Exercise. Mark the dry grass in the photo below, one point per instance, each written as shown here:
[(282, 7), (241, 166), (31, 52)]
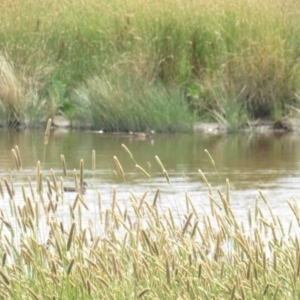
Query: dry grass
[(21, 101)]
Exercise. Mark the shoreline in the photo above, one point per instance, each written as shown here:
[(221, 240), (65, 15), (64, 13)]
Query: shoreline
[(259, 126), (286, 125)]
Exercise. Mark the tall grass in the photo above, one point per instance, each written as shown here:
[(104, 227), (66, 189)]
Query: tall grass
[(125, 104), (144, 250), (21, 93), (247, 50)]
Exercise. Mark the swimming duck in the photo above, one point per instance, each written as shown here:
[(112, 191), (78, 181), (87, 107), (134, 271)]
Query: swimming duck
[(73, 189), (142, 135)]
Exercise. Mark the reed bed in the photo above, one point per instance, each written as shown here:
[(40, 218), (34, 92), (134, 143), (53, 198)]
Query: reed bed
[(50, 249), (231, 59)]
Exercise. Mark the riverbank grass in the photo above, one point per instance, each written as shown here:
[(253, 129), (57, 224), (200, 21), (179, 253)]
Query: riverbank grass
[(54, 248), (211, 51)]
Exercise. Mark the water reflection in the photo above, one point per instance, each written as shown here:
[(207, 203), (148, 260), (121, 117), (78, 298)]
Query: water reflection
[(251, 162)]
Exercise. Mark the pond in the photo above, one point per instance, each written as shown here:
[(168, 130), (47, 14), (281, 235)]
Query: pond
[(266, 162)]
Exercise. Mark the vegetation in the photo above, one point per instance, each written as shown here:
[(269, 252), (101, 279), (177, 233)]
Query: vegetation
[(142, 251), (228, 60)]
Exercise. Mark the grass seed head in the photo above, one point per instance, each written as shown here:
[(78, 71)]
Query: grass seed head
[(64, 167), (71, 235), (47, 132)]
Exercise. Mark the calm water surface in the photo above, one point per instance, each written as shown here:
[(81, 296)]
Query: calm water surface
[(270, 163)]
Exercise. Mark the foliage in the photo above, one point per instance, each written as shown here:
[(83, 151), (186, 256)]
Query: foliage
[(244, 46)]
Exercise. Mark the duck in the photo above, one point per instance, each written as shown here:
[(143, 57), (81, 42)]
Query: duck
[(142, 135), (71, 189)]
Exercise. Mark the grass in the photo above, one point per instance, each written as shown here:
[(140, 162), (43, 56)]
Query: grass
[(215, 50), (50, 250), (133, 104), (21, 92)]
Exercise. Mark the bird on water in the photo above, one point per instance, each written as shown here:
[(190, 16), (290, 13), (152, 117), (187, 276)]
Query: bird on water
[(142, 135), (74, 189)]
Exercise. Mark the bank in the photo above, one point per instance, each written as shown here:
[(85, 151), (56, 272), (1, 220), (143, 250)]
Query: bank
[(132, 65)]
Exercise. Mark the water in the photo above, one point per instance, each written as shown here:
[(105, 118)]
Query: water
[(270, 163)]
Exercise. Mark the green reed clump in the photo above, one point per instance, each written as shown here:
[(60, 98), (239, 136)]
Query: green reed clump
[(124, 104)]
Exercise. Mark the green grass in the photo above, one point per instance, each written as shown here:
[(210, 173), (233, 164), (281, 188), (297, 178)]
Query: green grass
[(143, 250), (122, 104), (244, 50)]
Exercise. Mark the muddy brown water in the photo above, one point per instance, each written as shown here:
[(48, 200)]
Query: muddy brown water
[(270, 163)]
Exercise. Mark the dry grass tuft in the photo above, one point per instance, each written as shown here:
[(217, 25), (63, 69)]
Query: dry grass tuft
[(20, 99)]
